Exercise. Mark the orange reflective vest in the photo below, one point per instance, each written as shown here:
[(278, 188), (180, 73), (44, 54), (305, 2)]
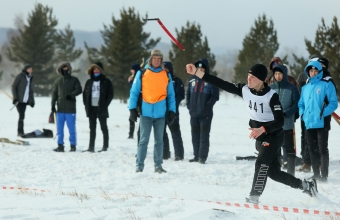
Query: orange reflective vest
[(154, 86)]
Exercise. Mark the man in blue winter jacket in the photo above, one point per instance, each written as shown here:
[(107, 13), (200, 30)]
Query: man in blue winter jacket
[(318, 100), (200, 99), (155, 87), (289, 97)]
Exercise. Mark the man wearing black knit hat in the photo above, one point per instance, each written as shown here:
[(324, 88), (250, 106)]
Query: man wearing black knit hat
[(22, 91), (266, 121)]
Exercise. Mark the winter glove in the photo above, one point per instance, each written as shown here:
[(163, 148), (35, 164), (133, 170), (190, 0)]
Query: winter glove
[(68, 97), (53, 109), (32, 105), (171, 117), (133, 115), (15, 102)]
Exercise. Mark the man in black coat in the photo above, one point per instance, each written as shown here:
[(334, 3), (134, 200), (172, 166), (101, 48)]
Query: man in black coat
[(97, 96), (22, 91), (174, 127), (201, 98), (134, 69)]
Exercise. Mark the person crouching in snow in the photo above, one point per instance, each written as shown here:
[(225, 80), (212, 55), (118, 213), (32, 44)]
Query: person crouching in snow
[(266, 121), (97, 96), (65, 90)]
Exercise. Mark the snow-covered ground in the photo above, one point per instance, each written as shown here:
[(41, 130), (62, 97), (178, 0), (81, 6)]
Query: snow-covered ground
[(105, 185)]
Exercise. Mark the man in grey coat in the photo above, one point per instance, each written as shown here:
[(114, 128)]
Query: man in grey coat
[(22, 91)]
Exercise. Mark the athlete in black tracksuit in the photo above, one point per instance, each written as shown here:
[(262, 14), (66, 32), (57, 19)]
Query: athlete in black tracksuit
[(266, 121)]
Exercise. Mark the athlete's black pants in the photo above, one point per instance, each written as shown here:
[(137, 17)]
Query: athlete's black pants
[(268, 164)]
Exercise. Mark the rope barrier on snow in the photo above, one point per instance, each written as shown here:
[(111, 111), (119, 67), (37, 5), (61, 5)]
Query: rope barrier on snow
[(232, 204)]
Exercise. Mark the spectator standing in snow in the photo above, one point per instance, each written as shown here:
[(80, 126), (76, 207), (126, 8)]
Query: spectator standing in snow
[(289, 98), (266, 121), (318, 101), (174, 127), (65, 90), (306, 166), (201, 98), (97, 96), (134, 69), (158, 96), (22, 91), (273, 63)]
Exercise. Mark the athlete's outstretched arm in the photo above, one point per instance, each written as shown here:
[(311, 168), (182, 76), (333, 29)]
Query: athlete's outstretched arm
[(234, 88)]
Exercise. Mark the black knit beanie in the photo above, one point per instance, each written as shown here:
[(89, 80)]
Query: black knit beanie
[(324, 61), (26, 67), (259, 71), (99, 64)]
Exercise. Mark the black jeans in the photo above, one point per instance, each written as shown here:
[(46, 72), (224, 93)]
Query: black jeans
[(268, 164), (200, 134), (304, 146), (176, 138), (93, 125), (317, 140), (289, 143), (21, 107)]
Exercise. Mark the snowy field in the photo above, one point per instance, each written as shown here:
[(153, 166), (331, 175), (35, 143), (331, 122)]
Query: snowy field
[(105, 186)]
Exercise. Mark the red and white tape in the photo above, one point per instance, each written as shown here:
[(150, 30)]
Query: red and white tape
[(24, 188), (239, 205)]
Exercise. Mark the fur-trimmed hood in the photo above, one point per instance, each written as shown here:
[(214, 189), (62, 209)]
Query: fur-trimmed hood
[(89, 71), (61, 66)]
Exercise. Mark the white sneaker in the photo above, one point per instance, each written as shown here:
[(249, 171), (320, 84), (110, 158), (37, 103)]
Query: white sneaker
[(310, 188), (253, 199)]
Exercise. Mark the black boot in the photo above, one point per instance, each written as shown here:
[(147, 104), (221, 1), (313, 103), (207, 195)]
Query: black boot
[(73, 148), (201, 161), (60, 148), (291, 165), (166, 155), (103, 149), (195, 159), (91, 149)]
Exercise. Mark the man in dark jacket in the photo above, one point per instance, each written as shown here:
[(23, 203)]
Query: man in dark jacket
[(134, 69), (289, 97), (306, 166), (22, 91), (97, 96), (200, 99), (65, 90), (174, 127)]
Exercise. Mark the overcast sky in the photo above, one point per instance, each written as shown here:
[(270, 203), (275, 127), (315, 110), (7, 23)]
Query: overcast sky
[(224, 22)]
